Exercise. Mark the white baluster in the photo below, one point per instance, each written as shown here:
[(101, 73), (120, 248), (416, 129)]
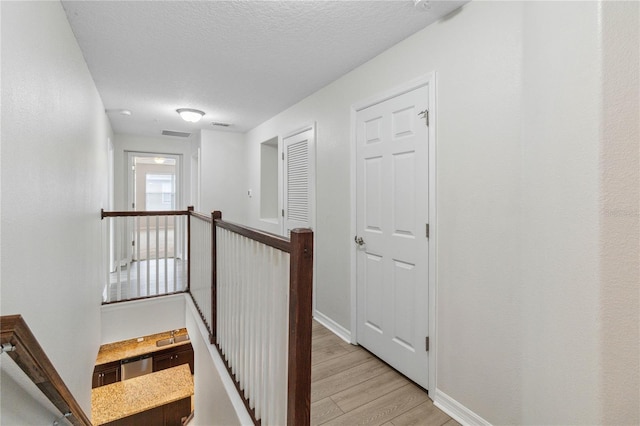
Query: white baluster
[(137, 244), (175, 253), (166, 253), (253, 280), (107, 297), (119, 260), (148, 258), (128, 255)]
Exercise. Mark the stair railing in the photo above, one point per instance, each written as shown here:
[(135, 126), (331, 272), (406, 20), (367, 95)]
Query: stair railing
[(146, 254), (260, 322), (22, 346), (253, 290)]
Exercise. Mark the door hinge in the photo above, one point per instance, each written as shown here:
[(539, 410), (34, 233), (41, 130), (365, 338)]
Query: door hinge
[(426, 343), (425, 114), (282, 212), (133, 205), (283, 156), (133, 243), (427, 230)]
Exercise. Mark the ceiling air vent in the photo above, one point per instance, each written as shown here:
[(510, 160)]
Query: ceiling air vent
[(176, 134), (217, 123)]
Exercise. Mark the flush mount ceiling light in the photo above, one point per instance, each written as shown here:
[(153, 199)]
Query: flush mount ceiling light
[(422, 4), (190, 115)]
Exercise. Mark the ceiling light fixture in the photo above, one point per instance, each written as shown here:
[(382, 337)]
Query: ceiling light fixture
[(190, 115), (422, 4)]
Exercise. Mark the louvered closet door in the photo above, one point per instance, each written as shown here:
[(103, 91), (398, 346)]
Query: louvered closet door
[(297, 181)]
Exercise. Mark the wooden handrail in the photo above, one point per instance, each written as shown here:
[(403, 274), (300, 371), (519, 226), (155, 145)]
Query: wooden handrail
[(134, 213), (23, 347), (267, 238), (137, 299), (201, 216)]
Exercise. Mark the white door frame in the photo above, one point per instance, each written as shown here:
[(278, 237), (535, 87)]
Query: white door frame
[(195, 180), (430, 81), (129, 175), (312, 173), (181, 250)]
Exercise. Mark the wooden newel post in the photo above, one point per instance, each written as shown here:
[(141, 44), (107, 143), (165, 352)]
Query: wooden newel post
[(215, 215), (300, 317), (189, 209)]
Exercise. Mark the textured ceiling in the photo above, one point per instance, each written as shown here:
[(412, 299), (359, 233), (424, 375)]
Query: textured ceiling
[(241, 62)]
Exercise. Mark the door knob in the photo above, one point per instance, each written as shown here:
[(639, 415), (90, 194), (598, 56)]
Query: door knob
[(359, 241)]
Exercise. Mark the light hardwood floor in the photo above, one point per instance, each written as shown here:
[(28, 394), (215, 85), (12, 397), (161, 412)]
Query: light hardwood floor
[(349, 387)]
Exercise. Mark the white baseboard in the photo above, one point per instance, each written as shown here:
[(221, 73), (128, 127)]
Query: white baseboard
[(336, 328), (457, 411)]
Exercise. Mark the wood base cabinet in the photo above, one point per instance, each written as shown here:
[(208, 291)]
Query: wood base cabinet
[(106, 374), (173, 357)]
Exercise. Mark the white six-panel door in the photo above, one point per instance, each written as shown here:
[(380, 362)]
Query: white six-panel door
[(391, 219)]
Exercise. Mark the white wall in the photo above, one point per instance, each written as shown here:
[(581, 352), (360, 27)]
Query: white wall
[(128, 320), (54, 168), (520, 277), (560, 195), (223, 171), (145, 144), (22, 402), (269, 182), (581, 226), (620, 214)]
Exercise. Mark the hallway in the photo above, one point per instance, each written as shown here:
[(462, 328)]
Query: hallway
[(349, 386)]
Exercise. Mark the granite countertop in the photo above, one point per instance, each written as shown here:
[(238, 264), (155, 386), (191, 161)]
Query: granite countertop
[(110, 352), (132, 396)]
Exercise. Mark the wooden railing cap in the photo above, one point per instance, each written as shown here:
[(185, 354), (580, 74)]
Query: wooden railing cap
[(302, 231)]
